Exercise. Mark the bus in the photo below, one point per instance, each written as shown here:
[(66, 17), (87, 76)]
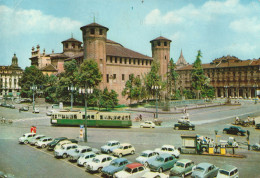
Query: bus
[(94, 119)]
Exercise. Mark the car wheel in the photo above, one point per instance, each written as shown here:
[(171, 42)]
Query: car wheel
[(85, 164), (176, 128), (224, 132), (146, 164), (43, 146), (190, 128), (26, 142), (239, 133), (99, 169), (160, 170), (64, 155), (120, 155), (132, 152)]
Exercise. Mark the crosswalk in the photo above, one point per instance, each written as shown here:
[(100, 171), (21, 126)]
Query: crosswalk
[(30, 119)]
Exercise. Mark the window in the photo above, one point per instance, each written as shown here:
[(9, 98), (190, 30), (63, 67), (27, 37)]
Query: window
[(79, 46), (125, 60), (73, 45), (114, 76), (142, 62), (111, 60), (138, 62), (135, 170), (92, 31), (159, 44), (134, 61), (100, 32), (115, 59), (107, 78), (146, 62), (140, 168), (66, 45), (165, 57), (130, 61), (120, 60), (123, 76), (165, 43)]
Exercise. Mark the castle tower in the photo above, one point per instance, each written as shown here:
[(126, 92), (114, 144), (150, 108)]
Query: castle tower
[(181, 61), (71, 47), (14, 61), (94, 39), (161, 53)]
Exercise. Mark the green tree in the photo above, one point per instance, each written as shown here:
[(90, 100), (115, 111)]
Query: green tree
[(109, 99), (31, 76), (172, 77), (50, 88)]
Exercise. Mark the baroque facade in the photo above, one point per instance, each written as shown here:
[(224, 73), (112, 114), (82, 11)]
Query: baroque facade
[(9, 79), (230, 76)]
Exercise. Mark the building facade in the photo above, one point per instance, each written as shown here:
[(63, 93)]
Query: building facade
[(9, 79), (230, 76)]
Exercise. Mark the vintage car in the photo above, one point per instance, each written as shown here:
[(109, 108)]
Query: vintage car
[(184, 126), (36, 110), (63, 142), (115, 166), (256, 147), (257, 126), (124, 149), (85, 158), (182, 168), (146, 156), (155, 175), (63, 151), (25, 137), (99, 162), (226, 171), (162, 162), (168, 149), (33, 140), (133, 170), (51, 145), (49, 113), (147, 124), (110, 146), (74, 155), (42, 143), (204, 170), (234, 130), (24, 108)]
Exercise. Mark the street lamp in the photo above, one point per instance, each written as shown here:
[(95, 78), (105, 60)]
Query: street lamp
[(33, 88), (255, 86), (85, 91), (156, 88), (72, 89)]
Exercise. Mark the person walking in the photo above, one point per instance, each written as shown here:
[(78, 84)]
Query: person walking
[(140, 117)]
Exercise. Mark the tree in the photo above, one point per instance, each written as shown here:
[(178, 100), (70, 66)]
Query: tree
[(172, 77), (50, 88), (133, 88), (31, 76), (109, 99)]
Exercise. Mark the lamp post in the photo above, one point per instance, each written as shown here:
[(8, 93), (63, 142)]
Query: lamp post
[(255, 86), (85, 91), (156, 88), (33, 88), (72, 89)]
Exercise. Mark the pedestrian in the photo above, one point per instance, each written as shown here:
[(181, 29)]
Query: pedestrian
[(248, 118), (253, 122), (154, 115), (140, 117)]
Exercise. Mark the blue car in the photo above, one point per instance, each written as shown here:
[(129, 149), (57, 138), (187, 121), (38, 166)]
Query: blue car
[(115, 166), (162, 162)]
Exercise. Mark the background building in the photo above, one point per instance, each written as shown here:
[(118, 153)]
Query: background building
[(9, 78)]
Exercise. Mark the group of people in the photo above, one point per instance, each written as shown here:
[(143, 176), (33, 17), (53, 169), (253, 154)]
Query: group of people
[(248, 120)]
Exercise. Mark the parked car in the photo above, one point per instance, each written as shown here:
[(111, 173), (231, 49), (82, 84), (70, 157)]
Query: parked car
[(63, 151), (33, 140), (36, 110), (115, 166), (256, 147), (162, 162), (204, 170), (228, 171), (146, 156), (74, 155), (85, 158), (51, 145), (257, 126), (98, 163), (155, 175), (184, 126), (168, 149), (42, 143), (24, 108), (124, 149), (49, 113), (147, 124), (11, 106), (25, 137), (234, 130), (110, 146), (64, 142), (182, 168), (133, 170)]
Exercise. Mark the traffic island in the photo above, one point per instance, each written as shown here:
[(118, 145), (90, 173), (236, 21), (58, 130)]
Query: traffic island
[(224, 155)]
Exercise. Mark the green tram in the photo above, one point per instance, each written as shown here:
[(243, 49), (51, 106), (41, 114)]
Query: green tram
[(94, 119)]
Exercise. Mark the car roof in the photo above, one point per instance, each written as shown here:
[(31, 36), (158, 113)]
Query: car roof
[(44, 138), (29, 133), (184, 161), (171, 146), (235, 127), (112, 141), (40, 136), (134, 165), (89, 153), (118, 160), (228, 167), (70, 144), (125, 144), (165, 155), (61, 138), (148, 151), (83, 147), (102, 156), (204, 165)]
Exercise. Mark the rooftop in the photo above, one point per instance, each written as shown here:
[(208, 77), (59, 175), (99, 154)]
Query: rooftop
[(94, 25), (160, 38)]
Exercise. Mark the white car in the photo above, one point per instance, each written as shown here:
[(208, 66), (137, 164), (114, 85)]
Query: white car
[(64, 150), (228, 171), (42, 143), (110, 146), (33, 140), (147, 124), (75, 154), (36, 110), (85, 158), (168, 149), (25, 137), (155, 175), (124, 149), (99, 162), (133, 170), (145, 156)]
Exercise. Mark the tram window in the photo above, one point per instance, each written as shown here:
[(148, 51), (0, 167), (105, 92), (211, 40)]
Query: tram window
[(63, 116), (101, 117), (92, 117), (88, 116), (123, 117), (75, 116), (71, 116), (109, 117), (118, 117), (83, 116), (114, 117), (126, 117)]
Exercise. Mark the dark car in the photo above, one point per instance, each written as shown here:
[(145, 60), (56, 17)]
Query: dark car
[(234, 130), (51, 145), (256, 147), (257, 126), (184, 126)]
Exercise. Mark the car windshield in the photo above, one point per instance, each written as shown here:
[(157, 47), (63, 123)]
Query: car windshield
[(199, 169), (77, 151), (109, 144), (128, 170), (164, 149), (160, 159), (62, 147), (224, 172), (96, 160), (180, 164), (113, 163), (23, 135), (144, 155)]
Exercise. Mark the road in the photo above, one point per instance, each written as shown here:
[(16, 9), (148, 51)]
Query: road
[(25, 161)]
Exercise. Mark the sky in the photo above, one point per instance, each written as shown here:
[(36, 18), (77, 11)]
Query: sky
[(216, 27)]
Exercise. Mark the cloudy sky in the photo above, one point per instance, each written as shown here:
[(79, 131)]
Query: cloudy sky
[(216, 27)]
